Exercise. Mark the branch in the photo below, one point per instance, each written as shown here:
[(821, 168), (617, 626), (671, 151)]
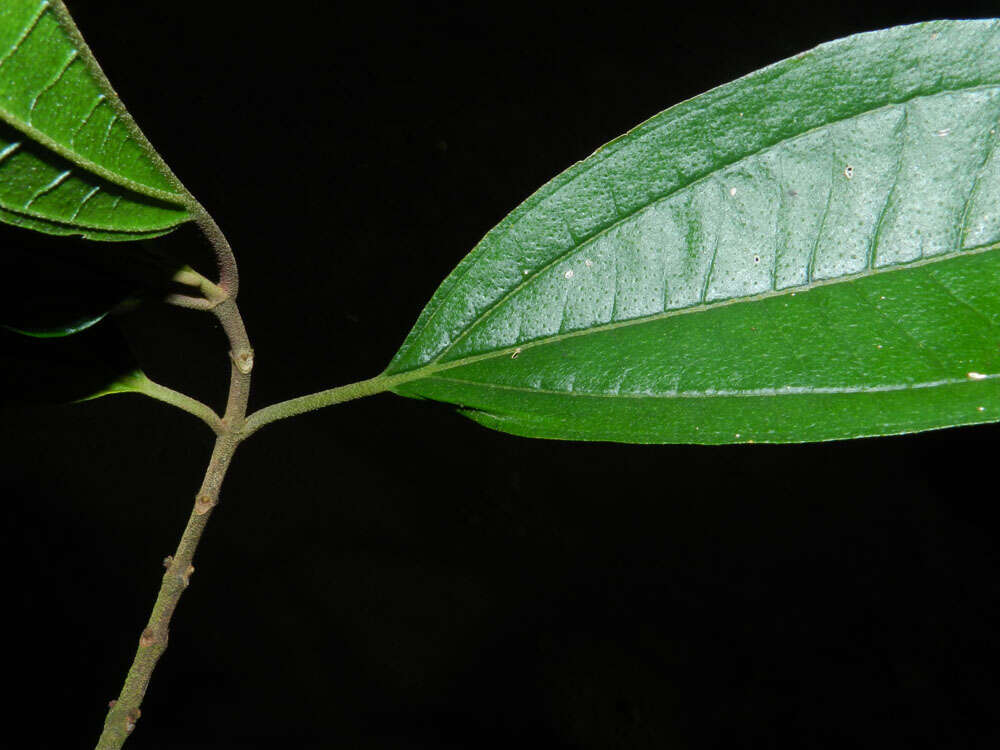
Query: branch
[(186, 300), (125, 712), (229, 275), (210, 294), (182, 401), (313, 401)]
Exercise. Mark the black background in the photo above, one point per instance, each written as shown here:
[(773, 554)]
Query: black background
[(386, 574)]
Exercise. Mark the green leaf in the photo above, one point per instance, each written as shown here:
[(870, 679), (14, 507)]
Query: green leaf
[(94, 363), (807, 253), (58, 330), (72, 160), (55, 294)]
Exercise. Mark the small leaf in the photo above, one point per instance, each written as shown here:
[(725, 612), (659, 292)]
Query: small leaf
[(72, 160), (58, 330), (807, 253), (56, 293), (94, 363)]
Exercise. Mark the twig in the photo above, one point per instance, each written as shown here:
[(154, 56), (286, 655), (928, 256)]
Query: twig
[(125, 711), (182, 401)]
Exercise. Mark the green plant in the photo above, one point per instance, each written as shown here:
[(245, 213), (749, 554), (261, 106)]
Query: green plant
[(744, 239)]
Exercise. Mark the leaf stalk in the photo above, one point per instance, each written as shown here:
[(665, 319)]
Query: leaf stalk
[(314, 401), (182, 401)]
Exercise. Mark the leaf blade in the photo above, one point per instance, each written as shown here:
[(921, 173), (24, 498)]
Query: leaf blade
[(59, 330), (867, 158), (71, 158)]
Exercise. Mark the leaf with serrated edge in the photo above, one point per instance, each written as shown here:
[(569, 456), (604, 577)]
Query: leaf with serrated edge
[(72, 160), (807, 253)]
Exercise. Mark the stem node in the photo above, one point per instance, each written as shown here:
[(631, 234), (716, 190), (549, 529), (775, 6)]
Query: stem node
[(243, 360), (221, 300), (203, 504), (131, 719)]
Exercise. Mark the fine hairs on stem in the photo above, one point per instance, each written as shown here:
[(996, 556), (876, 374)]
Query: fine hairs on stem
[(230, 429), (125, 711)]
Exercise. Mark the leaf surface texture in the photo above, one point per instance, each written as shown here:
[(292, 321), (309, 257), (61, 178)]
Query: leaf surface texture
[(807, 253), (72, 160)]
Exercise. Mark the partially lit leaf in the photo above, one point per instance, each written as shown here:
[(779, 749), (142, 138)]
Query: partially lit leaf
[(96, 362), (72, 160), (55, 294), (807, 253)]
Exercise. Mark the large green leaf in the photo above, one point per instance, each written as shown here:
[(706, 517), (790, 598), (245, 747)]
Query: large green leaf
[(807, 253), (72, 160)]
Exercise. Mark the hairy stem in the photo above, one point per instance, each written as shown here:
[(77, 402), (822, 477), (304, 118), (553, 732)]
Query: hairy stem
[(229, 276), (209, 294), (188, 301), (184, 402), (125, 711), (314, 401)]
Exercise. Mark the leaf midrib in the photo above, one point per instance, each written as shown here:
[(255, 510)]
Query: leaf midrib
[(488, 312), (724, 393), (76, 224), (82, 162), (430, 369)]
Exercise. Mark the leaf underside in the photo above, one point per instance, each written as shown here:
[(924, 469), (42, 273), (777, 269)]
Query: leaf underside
[(72, 161), (807, 253)]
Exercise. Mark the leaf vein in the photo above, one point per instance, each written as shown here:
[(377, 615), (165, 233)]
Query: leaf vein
[(10, 149), (59, 180), (86, 198), (963, 223), (921, 349), (936, 278), (26, 33), (531, 278), (872, 252), (86, 119), (77, 160), (723, 393), (59, 74), (811, 260), (429, 368)]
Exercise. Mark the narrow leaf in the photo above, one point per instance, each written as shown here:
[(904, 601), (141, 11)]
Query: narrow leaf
[(807, 253), (94, 363), (56, 294), (72, 160), (58, 330)]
